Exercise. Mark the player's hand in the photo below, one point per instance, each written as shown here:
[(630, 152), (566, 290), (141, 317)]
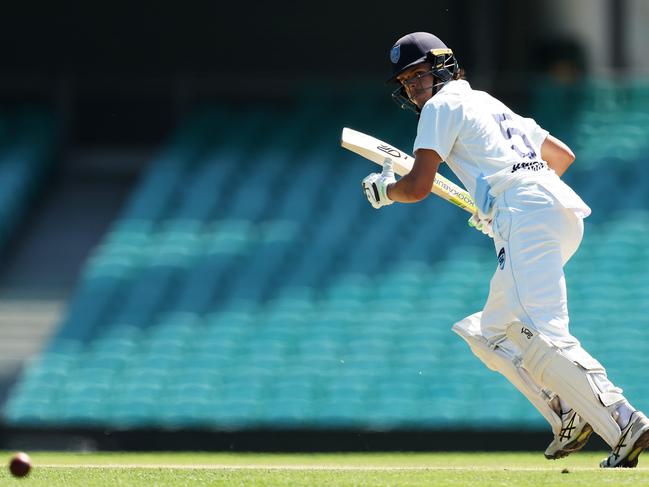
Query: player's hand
[(375, 186), (482, 224)]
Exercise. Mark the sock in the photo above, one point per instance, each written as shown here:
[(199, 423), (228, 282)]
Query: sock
[(564, 407), (622, 414), (559, 406)]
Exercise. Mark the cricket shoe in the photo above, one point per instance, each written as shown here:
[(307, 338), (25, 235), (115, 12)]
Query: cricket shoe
[(634, 439), (574, 434)]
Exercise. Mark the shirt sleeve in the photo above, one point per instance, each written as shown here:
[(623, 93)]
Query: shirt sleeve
[(438, 128)]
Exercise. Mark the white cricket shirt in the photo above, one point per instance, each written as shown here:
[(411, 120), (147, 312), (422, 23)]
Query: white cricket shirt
[(487, 145)]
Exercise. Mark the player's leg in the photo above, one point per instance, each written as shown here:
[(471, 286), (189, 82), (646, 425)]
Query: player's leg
[(524, 244), (500, 360), (538, 244), (581, 380), (571, 432)]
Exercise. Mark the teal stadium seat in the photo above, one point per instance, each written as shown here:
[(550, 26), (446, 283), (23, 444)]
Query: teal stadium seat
[(241, 288)]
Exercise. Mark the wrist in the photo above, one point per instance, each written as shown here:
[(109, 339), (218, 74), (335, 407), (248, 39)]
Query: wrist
[(388, 190)]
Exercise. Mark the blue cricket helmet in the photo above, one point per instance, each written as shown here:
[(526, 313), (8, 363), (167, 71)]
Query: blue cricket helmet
[(418, 47)]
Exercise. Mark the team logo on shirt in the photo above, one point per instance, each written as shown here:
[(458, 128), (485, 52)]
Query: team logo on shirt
[(501, 258), (395, 54)]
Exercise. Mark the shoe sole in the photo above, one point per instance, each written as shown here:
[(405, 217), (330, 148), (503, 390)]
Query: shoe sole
[(631, 460), (574, 446)]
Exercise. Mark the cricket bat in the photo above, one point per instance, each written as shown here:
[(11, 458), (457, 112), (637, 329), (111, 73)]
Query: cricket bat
[(378, 151)]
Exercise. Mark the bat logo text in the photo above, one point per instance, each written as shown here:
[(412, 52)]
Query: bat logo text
[(389, 150)]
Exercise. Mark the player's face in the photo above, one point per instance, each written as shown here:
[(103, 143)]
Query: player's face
[(418, 82)]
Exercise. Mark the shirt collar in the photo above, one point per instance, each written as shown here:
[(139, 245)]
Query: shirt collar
[(455, 86)]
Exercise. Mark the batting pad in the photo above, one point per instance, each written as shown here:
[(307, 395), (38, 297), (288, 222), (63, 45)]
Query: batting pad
[(499, 359), (574, 375)]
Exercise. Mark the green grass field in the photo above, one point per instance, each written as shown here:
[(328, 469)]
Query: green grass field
[(346, 469)]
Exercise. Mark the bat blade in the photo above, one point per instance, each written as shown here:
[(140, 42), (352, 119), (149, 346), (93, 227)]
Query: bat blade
[(378, 151)]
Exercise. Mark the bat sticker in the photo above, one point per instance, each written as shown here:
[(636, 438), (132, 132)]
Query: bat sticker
[(390, 150)]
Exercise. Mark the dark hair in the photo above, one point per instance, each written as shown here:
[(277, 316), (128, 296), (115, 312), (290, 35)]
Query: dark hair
[(459, 74)]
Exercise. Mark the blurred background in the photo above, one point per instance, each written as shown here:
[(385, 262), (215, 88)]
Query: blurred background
[(188, 261)]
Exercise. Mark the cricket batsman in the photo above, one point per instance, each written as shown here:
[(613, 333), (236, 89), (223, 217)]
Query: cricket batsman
[(512, 168)]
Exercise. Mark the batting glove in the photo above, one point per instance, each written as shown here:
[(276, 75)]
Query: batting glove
[(482, 224), (375, 186)]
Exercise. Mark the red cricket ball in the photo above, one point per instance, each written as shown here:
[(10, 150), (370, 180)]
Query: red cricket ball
[(20, 464)]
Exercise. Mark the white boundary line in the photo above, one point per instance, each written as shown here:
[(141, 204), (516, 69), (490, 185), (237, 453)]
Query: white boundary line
[(367, 468)]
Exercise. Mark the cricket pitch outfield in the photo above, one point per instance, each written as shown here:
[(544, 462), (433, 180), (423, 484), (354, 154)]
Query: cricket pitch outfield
[(343, 469)]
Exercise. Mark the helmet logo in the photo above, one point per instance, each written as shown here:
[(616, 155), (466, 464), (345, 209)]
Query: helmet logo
[(395, 54)]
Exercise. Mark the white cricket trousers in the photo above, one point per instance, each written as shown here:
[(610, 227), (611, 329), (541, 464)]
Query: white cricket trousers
[(534, 237)]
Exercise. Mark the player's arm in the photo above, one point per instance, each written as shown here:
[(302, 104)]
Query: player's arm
[(416, 185), (557, 154)]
